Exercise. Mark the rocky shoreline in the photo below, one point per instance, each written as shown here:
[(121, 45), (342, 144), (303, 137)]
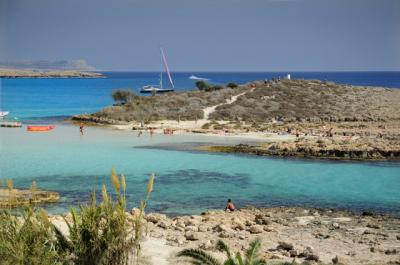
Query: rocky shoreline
[(309, 150), (18, 197), (288, 234)]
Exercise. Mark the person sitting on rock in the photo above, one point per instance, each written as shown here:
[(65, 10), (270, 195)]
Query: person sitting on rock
[(230, 207)]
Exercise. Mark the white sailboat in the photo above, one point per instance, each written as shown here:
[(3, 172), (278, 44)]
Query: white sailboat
[(159, 88)]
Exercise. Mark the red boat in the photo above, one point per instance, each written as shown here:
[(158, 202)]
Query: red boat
[(40, 128)]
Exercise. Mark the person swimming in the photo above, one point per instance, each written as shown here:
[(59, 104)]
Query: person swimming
[(230, 207)]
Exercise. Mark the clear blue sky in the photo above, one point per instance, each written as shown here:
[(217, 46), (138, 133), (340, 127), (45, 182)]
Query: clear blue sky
[(209, 35)]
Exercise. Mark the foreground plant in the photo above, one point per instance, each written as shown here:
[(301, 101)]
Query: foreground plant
[(27, 240), (101, 233), (251, 256)]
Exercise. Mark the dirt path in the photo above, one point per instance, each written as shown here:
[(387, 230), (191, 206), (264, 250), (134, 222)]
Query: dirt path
[(207, 111)]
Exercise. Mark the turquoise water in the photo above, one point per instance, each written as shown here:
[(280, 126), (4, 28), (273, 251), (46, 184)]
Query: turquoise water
[(187, 181)]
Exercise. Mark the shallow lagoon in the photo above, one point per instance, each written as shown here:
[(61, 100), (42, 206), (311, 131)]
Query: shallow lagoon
[(189, 181)]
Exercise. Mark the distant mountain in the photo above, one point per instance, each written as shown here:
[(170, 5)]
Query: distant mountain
[(45, 65)]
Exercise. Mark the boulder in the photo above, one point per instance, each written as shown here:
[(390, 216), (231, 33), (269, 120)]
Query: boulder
[(191, 228), (223, 228), (285, 245), (135, 212), (155, 217), (256, 229), (208, 245), (163, 224), (192, 236), (202, 228)]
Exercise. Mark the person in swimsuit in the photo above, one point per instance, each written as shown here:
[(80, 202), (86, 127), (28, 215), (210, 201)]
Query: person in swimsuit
[(230, 207), (81, 128)]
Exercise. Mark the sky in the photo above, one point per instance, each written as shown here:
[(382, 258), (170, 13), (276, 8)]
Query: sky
[(205, 35)]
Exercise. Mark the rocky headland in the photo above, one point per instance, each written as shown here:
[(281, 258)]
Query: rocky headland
[(20, 73), (324, 119)]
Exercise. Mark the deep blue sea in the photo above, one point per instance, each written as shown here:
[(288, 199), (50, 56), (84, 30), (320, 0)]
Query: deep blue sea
[(50, 97), (186, 182)]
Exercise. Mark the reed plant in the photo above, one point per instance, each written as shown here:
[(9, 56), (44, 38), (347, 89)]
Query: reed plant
[(27, 239), (101, 233)]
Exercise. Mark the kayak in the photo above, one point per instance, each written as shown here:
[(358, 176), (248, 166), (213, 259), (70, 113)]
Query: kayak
[(40, 128)]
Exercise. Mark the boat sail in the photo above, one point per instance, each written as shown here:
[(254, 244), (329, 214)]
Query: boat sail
[(159, 88)]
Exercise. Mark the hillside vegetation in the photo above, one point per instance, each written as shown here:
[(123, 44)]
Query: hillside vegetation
[(300, 100), (263, 101)]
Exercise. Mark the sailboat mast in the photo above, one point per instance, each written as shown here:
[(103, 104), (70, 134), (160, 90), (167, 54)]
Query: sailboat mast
[(164, 59), (161, 70)]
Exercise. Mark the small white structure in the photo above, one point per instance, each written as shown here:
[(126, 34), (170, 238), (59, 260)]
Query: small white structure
[(288, 76)]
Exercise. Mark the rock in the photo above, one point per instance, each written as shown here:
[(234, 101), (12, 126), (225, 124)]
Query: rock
[(336, 225), (267, 228), (313, 257), (202, 228), (191, 228), (223, 228), (398, 237), (249, 223), (256, 229), (208, 245), (180, 229), (340, 260), (192, 222), (374, 225), (180, 223), (391, 251), (225, 234), (294, 252), (178, 240), (155, 217), (285, 245), (192, 236), (163, 224), (242, 237), (135, 212)]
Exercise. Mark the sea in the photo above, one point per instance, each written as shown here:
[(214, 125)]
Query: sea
[(187, 181)]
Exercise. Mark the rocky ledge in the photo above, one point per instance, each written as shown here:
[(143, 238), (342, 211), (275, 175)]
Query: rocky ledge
[(287, 234), (17, 197), (345, 149)]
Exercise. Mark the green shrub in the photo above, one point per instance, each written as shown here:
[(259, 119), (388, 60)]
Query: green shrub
[(123, 95), (251, 255), (232, 85), (201, 85)]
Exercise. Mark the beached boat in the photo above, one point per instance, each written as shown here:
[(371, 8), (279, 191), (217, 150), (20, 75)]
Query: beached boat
[(40, 128), (11, 124), (159, 88)]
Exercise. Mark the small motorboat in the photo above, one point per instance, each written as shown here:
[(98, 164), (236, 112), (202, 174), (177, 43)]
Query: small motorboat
[(40, 128), (4, 114), (193, 77)]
